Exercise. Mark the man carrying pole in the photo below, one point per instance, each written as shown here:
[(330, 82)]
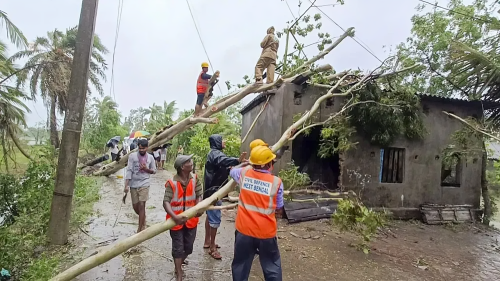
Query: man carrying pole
[(261, 194), (182, 192)]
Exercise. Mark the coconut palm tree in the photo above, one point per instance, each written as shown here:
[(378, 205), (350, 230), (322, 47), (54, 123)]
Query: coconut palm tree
[(160, 116), (48, 71), (12, 107)]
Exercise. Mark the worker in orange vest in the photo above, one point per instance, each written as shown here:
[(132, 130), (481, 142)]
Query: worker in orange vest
[(182, 192), (201, 88), (261, 195)]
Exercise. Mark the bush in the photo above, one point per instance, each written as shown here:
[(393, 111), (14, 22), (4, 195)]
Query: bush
[(26, 211)]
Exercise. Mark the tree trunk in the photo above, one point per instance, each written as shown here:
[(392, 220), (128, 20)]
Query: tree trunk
[(54, 136), (60, 212), (484, 188), (18, 144)]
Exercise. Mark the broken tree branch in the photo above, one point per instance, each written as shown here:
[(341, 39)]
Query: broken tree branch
[(472, 126), (255, 120), (322, 54), (204, 120), (225, 207)]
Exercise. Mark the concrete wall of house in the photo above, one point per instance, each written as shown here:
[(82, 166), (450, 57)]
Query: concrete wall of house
[(422, 166), (422, 170), (268, 126)]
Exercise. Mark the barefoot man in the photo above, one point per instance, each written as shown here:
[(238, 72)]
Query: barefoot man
[(141, 165), (182, 192)]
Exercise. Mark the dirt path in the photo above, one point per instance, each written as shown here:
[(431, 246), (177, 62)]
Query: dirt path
[(310, 251)]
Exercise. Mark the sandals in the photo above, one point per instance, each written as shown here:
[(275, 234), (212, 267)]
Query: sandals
[(215, 254)]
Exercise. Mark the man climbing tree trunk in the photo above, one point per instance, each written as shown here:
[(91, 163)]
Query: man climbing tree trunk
[(60, 211)]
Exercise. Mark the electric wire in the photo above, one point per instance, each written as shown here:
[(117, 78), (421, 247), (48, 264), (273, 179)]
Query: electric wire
[(201, 40), (117, 31), (343, 29)]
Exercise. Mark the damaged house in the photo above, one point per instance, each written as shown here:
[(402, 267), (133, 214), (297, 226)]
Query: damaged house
[(400, 177)]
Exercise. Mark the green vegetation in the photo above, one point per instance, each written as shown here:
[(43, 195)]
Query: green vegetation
[(25, 208), (292, 178), (352, 215)]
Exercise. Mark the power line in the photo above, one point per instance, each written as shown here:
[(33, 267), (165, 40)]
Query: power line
[(362, 46), (202, 44), (117, 31), (455, 12), (290, 9)]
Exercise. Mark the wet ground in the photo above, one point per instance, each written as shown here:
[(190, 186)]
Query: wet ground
[(310, 251)]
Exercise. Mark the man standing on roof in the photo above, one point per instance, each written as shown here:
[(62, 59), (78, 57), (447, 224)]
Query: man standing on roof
[(201, 88), (216, 174), (261, 194), (182, 192), (267, 59)]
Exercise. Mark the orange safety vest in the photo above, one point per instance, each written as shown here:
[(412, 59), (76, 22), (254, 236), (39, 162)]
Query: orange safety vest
[(182, 201), (201, 85), (257, 204)]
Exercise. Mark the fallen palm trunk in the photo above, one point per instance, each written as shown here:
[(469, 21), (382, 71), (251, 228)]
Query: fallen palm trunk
[(94, 161)]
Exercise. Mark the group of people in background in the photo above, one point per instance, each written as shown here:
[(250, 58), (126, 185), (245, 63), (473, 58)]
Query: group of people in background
[(261, 197)]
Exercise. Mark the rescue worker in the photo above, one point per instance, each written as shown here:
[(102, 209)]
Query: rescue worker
[(261, 196), (267, 59), (201, 88), (182, 192)]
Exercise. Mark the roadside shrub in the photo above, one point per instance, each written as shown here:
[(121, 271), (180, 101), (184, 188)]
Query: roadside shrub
[(25, 208)]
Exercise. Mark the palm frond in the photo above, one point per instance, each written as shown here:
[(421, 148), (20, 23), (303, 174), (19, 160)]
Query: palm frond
[(15, 35)]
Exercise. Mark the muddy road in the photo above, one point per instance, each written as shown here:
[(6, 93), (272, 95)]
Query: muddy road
[(310, 251)]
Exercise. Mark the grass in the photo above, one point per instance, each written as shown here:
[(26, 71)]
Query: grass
[(25, 250), (16, 166)]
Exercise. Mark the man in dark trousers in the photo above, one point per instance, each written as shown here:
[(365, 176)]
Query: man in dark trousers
[(216, 173), (261, 196)]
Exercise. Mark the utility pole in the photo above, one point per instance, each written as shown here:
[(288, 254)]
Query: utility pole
[(60, 212)]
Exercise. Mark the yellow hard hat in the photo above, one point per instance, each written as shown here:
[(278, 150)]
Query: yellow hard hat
[(261, 155), (257, 142), (204, 64)]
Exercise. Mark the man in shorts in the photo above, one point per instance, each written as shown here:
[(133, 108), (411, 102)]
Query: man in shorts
[(141, 165), (182, 192), (216, 174)]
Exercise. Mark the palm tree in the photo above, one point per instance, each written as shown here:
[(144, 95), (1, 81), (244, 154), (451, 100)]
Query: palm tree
[(12, 107), (160, 116), (49, 70)]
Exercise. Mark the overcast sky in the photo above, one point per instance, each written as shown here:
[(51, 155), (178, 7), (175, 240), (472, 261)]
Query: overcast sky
[(158, 54)]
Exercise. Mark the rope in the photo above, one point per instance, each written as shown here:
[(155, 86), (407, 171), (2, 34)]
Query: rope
[(201, 40)]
